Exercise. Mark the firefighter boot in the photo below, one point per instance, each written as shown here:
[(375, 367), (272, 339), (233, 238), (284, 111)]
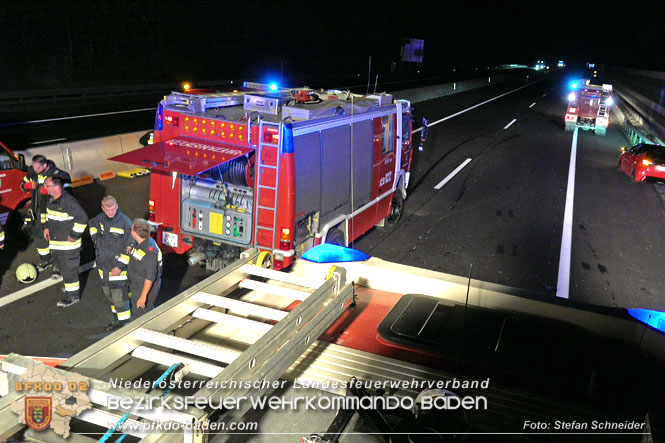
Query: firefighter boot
[(115, 324), (67, 302), (44, 265)]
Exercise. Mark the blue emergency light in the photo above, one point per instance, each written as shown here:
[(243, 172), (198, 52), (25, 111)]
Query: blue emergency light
[(573, 85), (327, 253)]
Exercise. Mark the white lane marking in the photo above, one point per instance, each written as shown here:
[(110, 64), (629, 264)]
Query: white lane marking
[(7, 299), (452, 174), (532, 105), (75, 117), (563, 281), (474, 106), (509, 124), (544, 94), (48, 141)]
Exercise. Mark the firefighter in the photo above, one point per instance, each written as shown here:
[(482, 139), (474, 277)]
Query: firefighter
[(65, 222), (111, 234), (38, 172), (145, 269)]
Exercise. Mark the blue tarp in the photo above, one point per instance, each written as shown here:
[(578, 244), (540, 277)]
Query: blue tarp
[(327, 253), (655, 319)]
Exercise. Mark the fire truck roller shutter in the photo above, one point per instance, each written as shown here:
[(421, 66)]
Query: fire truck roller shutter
[(310, 161), (307, 149), (335, 168), (363, 161)]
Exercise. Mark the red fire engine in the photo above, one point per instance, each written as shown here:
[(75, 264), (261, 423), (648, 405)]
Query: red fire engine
[(589, 107), (12, 171), (281, 170)]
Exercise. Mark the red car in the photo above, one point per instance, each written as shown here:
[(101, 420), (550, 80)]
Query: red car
[(642, 162)]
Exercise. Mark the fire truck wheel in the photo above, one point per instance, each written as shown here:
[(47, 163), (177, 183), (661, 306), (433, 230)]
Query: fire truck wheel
[(264, 260), (335, 237), (396, 209)]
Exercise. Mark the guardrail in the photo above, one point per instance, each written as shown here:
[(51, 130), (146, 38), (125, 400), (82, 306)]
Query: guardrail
[(21, 100)]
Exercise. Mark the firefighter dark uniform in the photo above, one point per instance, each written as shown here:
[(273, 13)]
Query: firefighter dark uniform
[(111, 237), (38, 206), (65, 218), (145, 263)]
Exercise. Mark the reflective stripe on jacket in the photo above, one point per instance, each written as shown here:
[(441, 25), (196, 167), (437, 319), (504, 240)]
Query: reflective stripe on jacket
[(65, 218)]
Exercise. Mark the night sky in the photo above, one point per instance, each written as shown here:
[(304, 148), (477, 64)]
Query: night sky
[(65, 44)]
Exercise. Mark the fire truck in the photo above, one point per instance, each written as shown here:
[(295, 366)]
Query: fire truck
[(589, 107), (277, 169), (12, 171)]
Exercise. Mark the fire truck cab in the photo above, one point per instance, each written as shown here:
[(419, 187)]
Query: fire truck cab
[(589, 107), (12, 171), (281, 170)]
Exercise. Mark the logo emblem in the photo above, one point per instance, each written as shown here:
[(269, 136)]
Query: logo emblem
[(38, 412)]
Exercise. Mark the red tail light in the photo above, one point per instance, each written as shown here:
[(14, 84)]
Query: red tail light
[(285, 239), (151, 208)]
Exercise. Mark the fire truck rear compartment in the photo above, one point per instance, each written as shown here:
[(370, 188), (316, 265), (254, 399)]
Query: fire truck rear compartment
[(217, 207)]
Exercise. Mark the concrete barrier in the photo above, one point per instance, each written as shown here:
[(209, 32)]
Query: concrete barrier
[(631, 125), (89, 157), (641, 113), (416, 95)]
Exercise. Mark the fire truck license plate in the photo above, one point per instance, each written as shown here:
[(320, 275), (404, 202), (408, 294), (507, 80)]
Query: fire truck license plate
[(170, 239)]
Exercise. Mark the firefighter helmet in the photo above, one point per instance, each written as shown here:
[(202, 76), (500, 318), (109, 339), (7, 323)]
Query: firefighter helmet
[(26, 273)]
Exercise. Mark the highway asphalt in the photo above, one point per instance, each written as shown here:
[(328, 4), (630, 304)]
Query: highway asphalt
[(502, 213)]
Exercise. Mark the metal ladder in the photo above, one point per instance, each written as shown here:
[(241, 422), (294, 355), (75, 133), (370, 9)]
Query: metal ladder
[(266, 193), (202, 329)]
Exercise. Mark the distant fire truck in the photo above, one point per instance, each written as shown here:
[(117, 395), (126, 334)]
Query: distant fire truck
[(281, 170), (589, 107)]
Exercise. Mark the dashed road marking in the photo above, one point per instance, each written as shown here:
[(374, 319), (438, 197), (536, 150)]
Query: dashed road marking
[(474, 106), (509, 124), (452, 174)]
